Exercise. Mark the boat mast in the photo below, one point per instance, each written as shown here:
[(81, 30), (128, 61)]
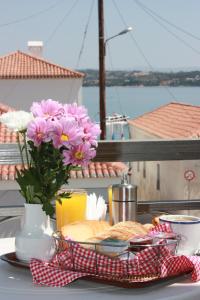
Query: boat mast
[(102, 102)]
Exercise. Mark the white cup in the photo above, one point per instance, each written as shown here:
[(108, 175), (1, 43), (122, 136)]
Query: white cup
[(188, 228)]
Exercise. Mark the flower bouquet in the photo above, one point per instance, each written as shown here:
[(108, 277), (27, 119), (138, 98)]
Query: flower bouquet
[(53, 139)]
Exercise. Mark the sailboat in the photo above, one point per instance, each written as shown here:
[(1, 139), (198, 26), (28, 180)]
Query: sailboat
[(116, 126), (117, 118)]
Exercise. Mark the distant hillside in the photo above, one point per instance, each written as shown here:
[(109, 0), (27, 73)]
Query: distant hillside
[(141, 78)]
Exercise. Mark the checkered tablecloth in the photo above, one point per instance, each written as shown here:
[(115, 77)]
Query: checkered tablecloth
[(153, 261)]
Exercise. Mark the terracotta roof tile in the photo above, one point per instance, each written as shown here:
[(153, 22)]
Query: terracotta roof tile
[(174, 120), (99, 170), (20, 65), (86, 173)]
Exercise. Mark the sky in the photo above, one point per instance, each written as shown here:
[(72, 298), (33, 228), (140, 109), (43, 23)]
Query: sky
[(165, 34)]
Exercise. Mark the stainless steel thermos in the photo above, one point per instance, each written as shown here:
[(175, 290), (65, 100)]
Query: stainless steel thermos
[(124, 201)]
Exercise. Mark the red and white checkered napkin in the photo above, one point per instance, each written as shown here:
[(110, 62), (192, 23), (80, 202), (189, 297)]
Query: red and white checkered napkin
[(151, 261)]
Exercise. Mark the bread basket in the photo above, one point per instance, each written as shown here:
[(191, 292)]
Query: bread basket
[(126, 267)]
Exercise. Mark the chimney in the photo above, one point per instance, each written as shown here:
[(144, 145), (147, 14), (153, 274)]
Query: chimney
[(35, 48)]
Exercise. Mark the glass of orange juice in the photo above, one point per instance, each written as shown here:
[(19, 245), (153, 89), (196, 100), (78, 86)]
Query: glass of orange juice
[(71, 209)]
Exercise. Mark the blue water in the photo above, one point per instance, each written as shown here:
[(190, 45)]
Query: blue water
[(135, 101)]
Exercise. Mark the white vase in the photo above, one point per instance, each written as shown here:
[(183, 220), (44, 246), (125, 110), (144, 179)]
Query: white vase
[(34, 240)]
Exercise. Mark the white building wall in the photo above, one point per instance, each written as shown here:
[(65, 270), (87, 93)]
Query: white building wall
[(173, 185), (10, 195), (20, 93)]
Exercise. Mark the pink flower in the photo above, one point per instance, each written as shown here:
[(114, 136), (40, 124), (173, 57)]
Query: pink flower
[(78, 112), (79, 155), (91, 132), (66, 133), (38, 131), (47, 109)]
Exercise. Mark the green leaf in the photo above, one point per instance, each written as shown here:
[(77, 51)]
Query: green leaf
[(46, 175), (48, 208), (66, 195)]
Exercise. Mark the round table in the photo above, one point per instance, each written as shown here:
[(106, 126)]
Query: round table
[(16, 283)]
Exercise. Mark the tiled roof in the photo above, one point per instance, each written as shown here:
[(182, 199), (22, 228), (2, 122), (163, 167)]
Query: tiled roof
[(174, 120), (6, 136), (94, 170), (20, 65), (8, 172)]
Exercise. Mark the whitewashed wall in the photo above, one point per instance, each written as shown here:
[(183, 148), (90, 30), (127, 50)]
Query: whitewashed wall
[(173, 185), (21, 93), (9, 189)]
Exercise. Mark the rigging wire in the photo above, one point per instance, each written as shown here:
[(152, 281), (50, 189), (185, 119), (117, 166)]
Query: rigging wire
[(112, 68), (114, 126), (115, 88), (141, 51), (167, 21), (32, 15), (168, 30), (61, 22)]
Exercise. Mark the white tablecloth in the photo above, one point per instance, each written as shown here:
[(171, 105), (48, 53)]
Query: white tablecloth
[(16, 283)]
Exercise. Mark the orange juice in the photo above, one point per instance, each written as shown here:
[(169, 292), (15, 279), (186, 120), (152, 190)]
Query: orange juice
[(72, 209)]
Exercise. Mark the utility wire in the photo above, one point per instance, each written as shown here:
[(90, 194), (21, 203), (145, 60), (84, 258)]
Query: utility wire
[(32, 15), (168, 30), (137, 45), (185, 43), (61, 22), (85, 34), (141, 51), (167, 21), (51, 35), (83, 43)]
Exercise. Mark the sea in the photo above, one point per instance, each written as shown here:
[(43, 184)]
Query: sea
[(135, 101)]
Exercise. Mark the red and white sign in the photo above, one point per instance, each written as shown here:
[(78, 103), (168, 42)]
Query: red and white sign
[(189, 175)]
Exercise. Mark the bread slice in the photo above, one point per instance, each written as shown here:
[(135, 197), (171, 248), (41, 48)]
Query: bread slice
[(124, 231), (83, 230)]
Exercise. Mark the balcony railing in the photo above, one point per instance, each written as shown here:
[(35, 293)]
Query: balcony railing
[(130, 151), (126, 151)]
